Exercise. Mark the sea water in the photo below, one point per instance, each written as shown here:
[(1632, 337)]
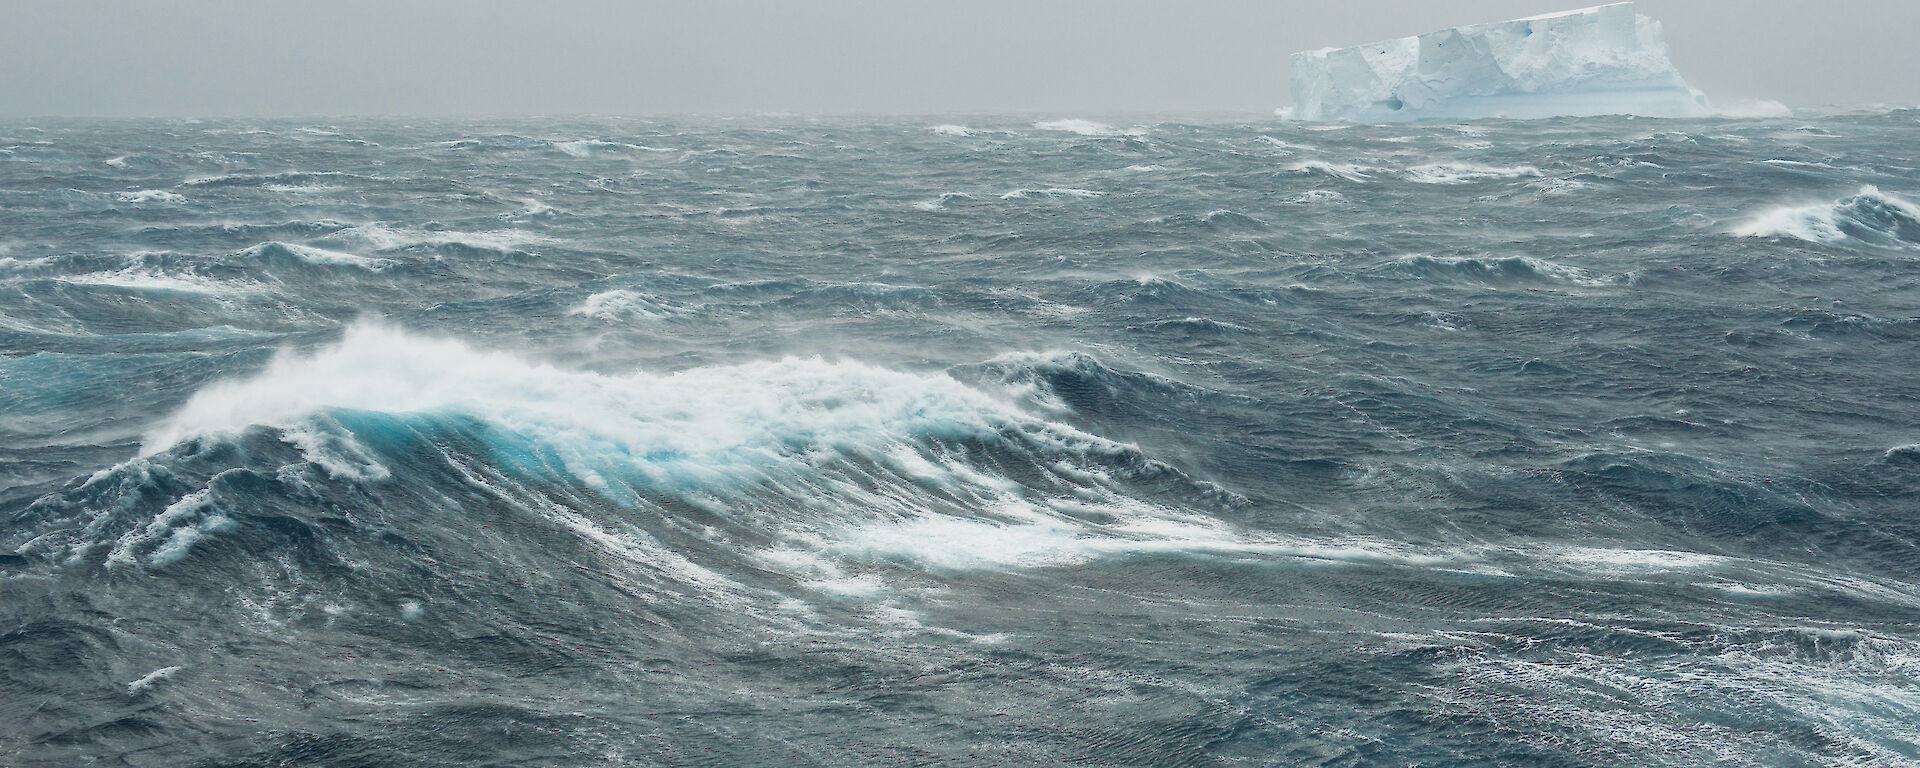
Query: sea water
[(929, 441)]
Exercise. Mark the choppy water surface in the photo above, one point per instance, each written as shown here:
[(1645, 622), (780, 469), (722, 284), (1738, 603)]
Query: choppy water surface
[(780, 441)]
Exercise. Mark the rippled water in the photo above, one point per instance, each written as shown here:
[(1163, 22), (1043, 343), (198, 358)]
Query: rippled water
[(1568, 442)]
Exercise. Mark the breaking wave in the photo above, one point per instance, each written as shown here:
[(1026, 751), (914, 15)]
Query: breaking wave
[(826, 458), (1871, 216), (278, 251), (622, 304)]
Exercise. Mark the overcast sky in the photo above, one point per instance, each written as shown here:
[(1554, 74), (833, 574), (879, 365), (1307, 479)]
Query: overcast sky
[(640, 57)]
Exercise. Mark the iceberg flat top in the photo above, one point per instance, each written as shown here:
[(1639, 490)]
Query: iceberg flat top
[(1607, 59), (1574, 12)]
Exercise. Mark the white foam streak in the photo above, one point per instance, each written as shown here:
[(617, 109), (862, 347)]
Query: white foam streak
[(1070, 192), (1854, 685), (1634, 561)]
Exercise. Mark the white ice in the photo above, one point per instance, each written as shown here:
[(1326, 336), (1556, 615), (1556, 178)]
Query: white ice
[(1595, 61)]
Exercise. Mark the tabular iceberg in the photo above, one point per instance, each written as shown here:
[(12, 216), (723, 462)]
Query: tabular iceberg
[(1595, 61)]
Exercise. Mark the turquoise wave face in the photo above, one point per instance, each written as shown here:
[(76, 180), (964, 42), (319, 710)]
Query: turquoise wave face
[(1035, 440)]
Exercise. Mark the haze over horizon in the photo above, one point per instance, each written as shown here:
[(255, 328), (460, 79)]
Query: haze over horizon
[(211, 58)]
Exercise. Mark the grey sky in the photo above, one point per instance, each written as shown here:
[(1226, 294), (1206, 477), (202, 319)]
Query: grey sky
[(362, 57)]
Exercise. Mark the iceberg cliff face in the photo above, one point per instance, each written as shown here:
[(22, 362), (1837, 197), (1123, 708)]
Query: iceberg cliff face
[(1596, 61)]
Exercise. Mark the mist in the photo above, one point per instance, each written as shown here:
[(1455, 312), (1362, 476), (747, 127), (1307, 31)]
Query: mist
[(439, 57)]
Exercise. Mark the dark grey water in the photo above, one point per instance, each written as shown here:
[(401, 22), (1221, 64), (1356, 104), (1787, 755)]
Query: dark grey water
[(1571, 442)]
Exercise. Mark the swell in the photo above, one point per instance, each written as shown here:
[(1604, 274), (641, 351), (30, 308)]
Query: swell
[(828, 464)]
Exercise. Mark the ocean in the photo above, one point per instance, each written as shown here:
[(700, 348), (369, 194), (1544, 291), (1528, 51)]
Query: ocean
[(900, 441)]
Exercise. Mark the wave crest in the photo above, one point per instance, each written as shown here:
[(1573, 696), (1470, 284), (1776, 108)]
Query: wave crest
[(1871, 216), (1082, 128), (844, 460)]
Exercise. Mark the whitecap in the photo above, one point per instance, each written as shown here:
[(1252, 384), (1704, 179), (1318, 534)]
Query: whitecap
[(382, 237), (1869, 216), (300, 189), (532, 207), (11, 264), (1287, 147), (619, 304), (588, 147), (1082, 128), (941, 204), (143, 279), (170, 535), (1312, 196), (151, 679), (1347, 171), (1559, 187), (317, 256), (1463, 173)]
